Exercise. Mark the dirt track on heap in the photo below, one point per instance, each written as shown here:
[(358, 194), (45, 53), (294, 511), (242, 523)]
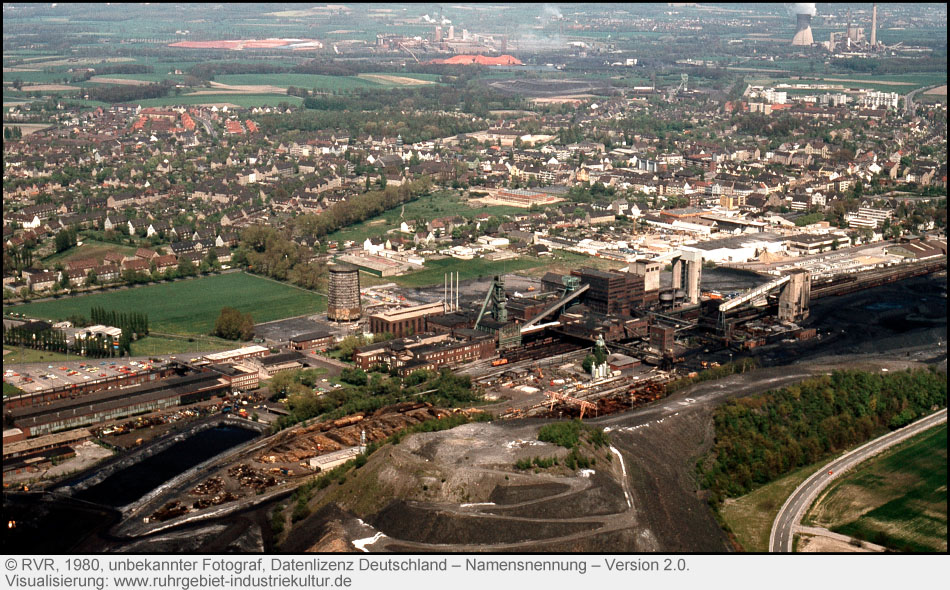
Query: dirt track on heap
[(551, 512)]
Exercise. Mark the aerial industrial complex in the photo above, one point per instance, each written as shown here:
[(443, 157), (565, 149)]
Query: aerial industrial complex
[(513, 278)]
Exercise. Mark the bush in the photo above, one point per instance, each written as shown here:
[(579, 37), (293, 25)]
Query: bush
[(523, 464), (301, 511), (565, 434), (354, 376), (277, 522)]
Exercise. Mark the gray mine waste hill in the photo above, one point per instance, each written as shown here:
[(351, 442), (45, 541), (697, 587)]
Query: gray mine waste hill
[(459, 490)]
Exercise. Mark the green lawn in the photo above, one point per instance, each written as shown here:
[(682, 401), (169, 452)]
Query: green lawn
[(89, 249), (191, 306), (157, 76), (898, 499), (914, 81), (467, 269), (162, 344), (38, 77), (28, 355), (439, 204), (241, 100), (750, 517), (10, 389), (308, 81)]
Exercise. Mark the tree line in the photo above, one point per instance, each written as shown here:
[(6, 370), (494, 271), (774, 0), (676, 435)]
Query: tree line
[(124, 93), (97, 346), (359, 208), (133, 322), (763, 437)]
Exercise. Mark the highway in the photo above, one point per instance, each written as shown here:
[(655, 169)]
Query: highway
[(787, 521)]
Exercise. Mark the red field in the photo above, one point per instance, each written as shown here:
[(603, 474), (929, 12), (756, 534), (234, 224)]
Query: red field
[(482, 60)]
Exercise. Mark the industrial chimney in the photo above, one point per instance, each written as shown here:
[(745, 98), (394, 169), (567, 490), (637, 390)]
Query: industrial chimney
[(803, 35), (874, 26)]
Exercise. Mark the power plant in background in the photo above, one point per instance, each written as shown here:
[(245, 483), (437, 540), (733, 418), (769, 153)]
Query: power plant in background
[(803, 13), (343, 301), (854, 38)]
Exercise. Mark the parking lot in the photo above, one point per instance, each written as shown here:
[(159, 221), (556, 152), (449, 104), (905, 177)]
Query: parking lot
[(35, 377)]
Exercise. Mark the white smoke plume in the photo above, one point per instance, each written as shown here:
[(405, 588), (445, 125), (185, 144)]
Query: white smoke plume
[(803, 8), (549, 12)]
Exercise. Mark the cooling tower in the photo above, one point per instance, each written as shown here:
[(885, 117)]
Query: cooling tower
[(803, 35)]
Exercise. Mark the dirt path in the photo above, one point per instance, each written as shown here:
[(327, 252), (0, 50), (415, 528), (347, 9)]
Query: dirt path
[(819, 540)]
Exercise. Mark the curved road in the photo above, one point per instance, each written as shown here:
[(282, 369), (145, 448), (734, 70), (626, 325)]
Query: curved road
[(909, 99), (787, 522)]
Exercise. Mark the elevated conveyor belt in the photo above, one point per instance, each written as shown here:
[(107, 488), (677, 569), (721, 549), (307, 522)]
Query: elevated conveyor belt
[(550, 309)]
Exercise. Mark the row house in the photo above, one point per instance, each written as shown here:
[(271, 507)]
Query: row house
[(41, 281), (136, 265), (43, 211), (160, 227), (83, 265), (123, 200), (166, 262), (214, 191), (324, 184), (77, 278), (25, 221)]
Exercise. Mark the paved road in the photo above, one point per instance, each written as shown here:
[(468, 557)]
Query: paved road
[(909, 99), (208, 127), (787, 521)]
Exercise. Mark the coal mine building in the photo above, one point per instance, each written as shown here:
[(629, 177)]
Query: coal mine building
[(318, 340), (111, 404)]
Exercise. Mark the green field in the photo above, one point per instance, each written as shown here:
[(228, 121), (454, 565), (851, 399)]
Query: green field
[(439, 204), (308, 81), (434, 273), (191, 306), (162, 344), (913, 81), (898, 499), (750, 517), (157, 76), (241, 100), (10, 389), (89, 249), (28, 355)]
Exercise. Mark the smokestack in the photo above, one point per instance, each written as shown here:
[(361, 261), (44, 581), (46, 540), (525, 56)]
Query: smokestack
[(803, 35), (456, 291), (874, 26)]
